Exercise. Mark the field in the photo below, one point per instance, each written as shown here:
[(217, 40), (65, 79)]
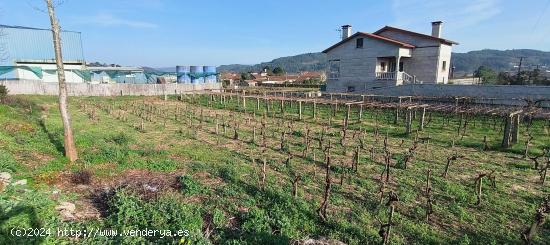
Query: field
[(235, 175)]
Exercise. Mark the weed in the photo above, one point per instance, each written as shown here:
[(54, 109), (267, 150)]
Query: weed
[(189, 186)]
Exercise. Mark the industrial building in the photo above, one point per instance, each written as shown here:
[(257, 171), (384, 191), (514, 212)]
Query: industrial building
[(27, 53), (196, 74)]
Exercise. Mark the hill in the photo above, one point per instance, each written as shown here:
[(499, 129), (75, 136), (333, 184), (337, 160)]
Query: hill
[(292, 64), (499, 60)]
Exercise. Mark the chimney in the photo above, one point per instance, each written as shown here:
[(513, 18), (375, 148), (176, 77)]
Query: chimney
[(436, 28), (346, 31)]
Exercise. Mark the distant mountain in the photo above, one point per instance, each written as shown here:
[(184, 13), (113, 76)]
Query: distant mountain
[(498, 60), (464, 62), (291, 64), (166, 69)]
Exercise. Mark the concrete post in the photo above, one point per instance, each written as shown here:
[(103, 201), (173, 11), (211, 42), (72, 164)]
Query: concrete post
[(408, 119), (314, 109), (361, 112), (300, 109), (396, 119), (515, 128), (347, 116), (507, 132), (422, 118)]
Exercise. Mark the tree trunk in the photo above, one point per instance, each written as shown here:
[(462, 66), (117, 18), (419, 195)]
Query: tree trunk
[(70, 148)]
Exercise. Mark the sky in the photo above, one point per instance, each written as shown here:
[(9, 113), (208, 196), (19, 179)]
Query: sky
[(165, 33)]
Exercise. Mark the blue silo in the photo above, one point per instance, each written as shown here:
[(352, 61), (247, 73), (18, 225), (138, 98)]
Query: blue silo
[(182, 73), (210, 74), (197, 74)]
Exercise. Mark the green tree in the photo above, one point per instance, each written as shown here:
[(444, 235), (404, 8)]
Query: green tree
[(487, 75), (278, 70), (504, 78), (245, 76)]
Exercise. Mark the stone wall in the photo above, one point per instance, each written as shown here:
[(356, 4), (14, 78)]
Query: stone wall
[(86, 89), (489, 94)]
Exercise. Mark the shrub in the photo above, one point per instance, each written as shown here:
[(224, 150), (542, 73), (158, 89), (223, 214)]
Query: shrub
[(120, 139), (3, 93), (127, 211)]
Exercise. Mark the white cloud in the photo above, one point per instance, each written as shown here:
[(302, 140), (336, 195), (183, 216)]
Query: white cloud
[(107, 19)]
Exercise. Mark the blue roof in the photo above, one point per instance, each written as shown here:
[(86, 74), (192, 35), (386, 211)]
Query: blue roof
[(35, 44)]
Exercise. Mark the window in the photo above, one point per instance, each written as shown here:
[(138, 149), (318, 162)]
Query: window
[(351, 89), (444, 66), (382, 66), (359, 43), (401, 66), (334, 69)]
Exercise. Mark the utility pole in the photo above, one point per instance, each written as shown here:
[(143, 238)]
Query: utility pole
[(519, 69)]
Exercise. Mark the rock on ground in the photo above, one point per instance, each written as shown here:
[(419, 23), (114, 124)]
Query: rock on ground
[(320, 241), (20, 182), (5, 178), (67, 210)]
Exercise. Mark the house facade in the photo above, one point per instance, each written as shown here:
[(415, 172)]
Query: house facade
[(387, 57)]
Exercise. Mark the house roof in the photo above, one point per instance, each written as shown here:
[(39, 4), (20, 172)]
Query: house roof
[(375, 36), (391, 28)]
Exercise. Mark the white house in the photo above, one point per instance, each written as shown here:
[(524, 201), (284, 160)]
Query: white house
[(387, 57)]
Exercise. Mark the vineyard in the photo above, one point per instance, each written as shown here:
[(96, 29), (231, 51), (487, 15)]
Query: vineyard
[(276, 168)]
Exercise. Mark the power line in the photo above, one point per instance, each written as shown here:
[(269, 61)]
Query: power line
[(541, 15), (538, 21)]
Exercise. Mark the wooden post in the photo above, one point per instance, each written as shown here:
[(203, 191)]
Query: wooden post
[(478, 189), (429, 209), (258, 104)]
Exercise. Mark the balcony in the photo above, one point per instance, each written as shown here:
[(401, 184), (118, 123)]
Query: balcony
[(387, 75), (400, 77)]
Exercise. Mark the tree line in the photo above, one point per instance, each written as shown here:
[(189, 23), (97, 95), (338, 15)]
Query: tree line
[(528, 77)]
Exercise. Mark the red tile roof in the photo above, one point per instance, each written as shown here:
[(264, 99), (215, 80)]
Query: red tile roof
[(386, 39), (391, 28)]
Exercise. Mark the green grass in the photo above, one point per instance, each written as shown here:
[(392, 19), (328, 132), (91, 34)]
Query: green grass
[(219, 184)]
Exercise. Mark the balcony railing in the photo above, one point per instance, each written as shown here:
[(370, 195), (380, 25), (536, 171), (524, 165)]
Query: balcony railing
[(396, 76), (385, 75)]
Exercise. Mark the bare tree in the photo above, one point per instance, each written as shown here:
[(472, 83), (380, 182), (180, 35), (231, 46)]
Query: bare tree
[(70, 148)]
